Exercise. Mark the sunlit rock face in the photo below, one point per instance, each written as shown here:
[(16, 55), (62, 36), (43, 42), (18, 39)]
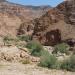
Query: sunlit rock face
[(13, 17), (56, 25), (70, 11)]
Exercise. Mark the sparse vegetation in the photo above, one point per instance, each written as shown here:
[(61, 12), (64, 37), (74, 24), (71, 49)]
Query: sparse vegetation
[(9, 40), (62, 48), (69, 64), (50, 61), (47, 60), (26, 38), (35, 48), (25, 61)]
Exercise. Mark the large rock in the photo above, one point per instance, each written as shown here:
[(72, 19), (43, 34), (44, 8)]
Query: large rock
[(26, 28), (9, 53), (12, 53)]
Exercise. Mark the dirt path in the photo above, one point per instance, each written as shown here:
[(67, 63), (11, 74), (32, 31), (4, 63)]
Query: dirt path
[(20, 69)]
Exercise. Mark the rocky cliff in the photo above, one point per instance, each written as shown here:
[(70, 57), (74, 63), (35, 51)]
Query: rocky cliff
[(48, 25), (13, 15), (56, 25)]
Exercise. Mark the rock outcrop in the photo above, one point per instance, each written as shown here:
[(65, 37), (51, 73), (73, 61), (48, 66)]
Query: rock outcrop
[(16, 54), (56, 25), (70, 11), (43, 27), (26, 28)]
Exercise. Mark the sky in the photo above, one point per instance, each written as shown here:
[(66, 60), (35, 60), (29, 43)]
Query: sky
[(52, 3)]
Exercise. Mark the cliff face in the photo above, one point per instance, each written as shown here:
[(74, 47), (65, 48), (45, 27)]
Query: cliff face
[(70, 11), (46, 30), (13, 15), (56, 25), (9, 24)]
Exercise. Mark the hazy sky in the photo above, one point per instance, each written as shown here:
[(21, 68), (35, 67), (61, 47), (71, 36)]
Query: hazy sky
[(37, 2)]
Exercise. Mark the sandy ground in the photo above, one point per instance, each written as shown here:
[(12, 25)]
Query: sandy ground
[(30, 69)]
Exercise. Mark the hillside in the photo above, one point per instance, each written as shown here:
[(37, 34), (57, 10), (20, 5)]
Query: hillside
[(37, 40), (56, 25), (12, 15)]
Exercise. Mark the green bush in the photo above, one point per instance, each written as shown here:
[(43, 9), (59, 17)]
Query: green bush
[(24, 38), (69, 64), (48, 60), (62, 48), (35, 48)]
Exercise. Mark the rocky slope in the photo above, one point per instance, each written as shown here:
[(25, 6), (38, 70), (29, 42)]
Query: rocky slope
[(68, 9), (12, 15), (45, 24), (48, 25), (56, 25)]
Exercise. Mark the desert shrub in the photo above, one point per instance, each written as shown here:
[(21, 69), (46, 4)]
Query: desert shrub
[(62, 48), (25, 61), (24, 38), (10, 40), (20, 44), (48, 60), (69, 64), (7, 38), (35, 48)]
